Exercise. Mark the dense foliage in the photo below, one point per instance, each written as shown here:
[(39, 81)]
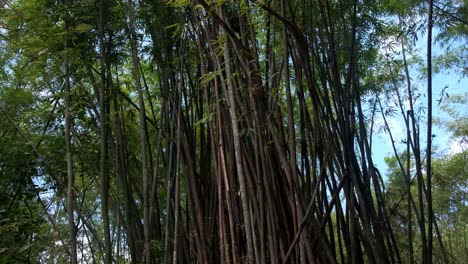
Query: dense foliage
[(185, 131)]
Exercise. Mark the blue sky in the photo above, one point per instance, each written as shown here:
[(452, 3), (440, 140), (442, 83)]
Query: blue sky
[(443, 142)]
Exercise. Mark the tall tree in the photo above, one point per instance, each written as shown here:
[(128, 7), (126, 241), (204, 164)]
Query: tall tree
[(104, 123), (68, 144), (430, 212), (143, 130)]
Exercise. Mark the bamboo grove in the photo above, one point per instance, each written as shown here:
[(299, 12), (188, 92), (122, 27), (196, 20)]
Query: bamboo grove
[(212, 131)]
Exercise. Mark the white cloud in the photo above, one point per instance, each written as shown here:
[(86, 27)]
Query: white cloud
[(457, 145)]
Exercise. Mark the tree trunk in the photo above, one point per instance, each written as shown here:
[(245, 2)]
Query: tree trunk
[(69, 151), (143, 130)]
